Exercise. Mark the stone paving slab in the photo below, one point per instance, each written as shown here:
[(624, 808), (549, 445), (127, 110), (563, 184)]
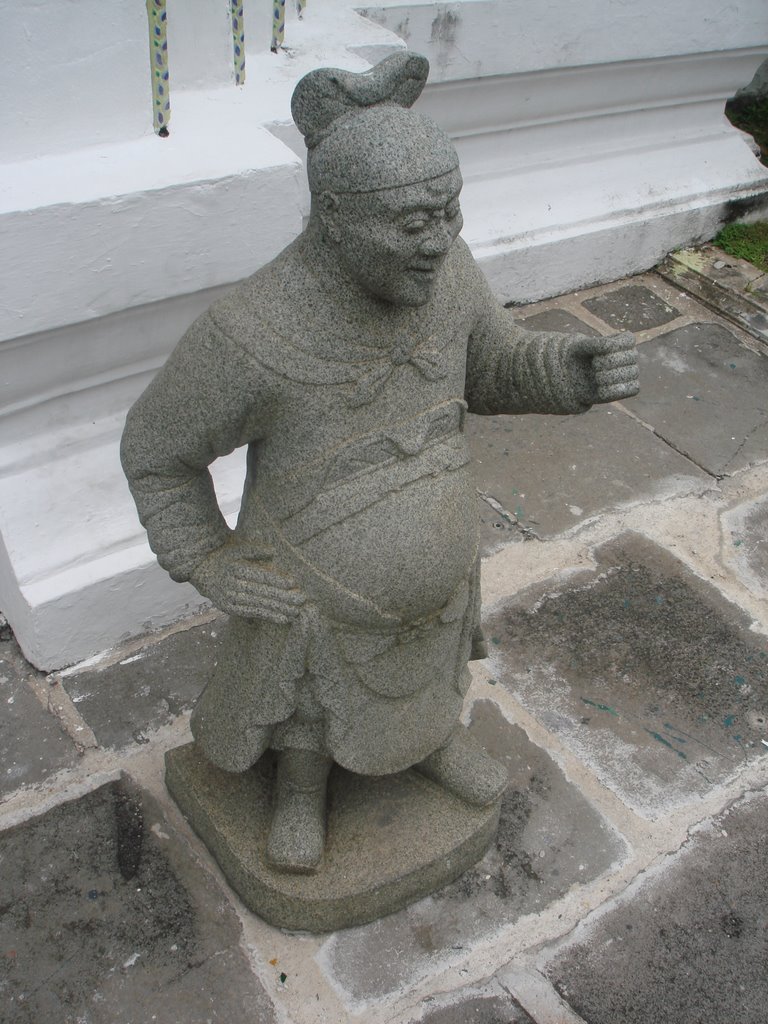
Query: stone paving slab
[(706, 395), (550, 838), (643, 669), (496, 526), (553, 472), (558, 320), (631, 308), (106, 919), (690, 945), (32, 743), (734, 288), (491, 1006), (748, 527), (149, 688)]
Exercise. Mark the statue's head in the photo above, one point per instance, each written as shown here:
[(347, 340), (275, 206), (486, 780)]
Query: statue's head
[(385, 181)]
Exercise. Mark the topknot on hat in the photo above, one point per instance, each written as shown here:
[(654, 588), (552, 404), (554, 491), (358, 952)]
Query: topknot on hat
[(326, 95), (360, 132)]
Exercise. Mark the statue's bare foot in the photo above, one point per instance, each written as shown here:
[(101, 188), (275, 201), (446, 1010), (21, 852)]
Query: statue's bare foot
[(297, 834), (464, 768)]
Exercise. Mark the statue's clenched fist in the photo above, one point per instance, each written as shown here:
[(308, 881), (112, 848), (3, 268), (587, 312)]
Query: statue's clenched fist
[(604, 369)]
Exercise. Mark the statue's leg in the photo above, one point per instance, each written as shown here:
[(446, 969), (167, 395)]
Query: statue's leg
[(465, 769), (297, 834)]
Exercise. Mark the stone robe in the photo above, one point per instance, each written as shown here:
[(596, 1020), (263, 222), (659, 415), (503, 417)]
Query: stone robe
[(358, 486)]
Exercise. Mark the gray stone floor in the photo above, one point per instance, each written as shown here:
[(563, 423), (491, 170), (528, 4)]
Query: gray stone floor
[(689, 943), (625, 581), (105, 920), (33, 744)]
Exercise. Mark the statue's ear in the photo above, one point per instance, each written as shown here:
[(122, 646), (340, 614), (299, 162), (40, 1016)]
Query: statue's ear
[(328, 205)]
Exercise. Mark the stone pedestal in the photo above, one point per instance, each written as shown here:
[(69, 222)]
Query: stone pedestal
[(391, 840)]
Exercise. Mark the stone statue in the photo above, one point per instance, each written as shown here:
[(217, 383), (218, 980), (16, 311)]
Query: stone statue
[(347, 366)]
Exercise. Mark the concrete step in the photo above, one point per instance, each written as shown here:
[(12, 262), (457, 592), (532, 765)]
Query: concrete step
[(732, 287)]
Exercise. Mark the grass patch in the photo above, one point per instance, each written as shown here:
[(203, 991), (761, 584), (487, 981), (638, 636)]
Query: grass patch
[(747, 241), (751, 115)]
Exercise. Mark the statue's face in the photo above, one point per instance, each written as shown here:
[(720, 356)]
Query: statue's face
[(393, 242)]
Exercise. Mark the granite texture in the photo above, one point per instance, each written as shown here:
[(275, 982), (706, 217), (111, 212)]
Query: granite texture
[(104, 918), (644, 669), (347, 366), (368, 870)]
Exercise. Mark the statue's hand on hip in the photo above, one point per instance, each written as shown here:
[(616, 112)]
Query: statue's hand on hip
[(236, 580), (604, 369)]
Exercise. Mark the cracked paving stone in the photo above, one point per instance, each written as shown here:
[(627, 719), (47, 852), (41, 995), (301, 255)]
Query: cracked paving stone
[(106, 918), (496, 528), (631, 308), (549, 839), (643, 669), (553, 472), (146, 690), (706, 395), (690, 944), (32, 743)]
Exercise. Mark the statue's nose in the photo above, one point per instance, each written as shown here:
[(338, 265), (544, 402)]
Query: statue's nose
[(438, 240)]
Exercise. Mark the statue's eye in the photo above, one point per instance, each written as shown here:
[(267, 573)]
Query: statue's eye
[(415, 224), (453, 209)]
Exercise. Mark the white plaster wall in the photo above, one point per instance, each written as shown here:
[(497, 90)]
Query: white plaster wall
[(501, 37), (73, 73), (98, 231), (576, 175)]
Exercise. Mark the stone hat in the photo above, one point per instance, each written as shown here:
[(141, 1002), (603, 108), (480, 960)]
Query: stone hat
[(361, 135)]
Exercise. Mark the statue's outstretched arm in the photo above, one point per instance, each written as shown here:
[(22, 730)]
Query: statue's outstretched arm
[(512, 370)]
